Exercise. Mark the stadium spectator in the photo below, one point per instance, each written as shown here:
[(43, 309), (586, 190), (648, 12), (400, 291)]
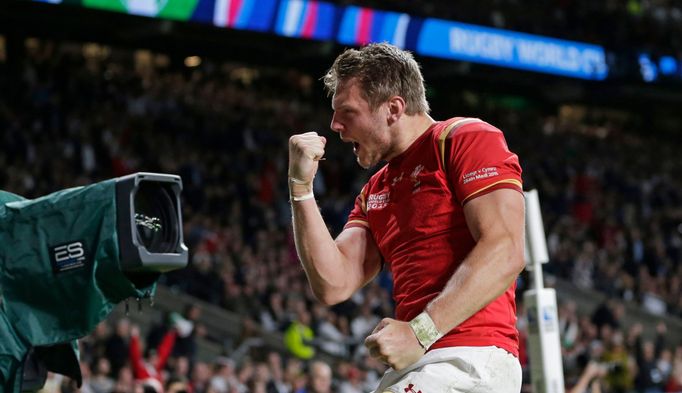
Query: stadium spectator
[(675, 381), (651, 377), (619, 362), (319, 379), (299, 336), (591, 379), (100, 381), (117, 348), (150, 369), (200, 377)]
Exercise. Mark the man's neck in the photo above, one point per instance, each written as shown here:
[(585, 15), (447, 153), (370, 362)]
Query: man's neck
[(409, 129)]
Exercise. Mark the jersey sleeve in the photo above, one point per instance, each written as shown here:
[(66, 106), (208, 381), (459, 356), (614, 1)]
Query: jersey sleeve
[(479, 161), (358, 216)]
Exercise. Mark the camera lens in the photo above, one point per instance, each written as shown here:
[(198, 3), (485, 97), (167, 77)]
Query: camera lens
[(156, 219)]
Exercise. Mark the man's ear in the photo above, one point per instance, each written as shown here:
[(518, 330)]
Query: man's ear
[(396, 108)]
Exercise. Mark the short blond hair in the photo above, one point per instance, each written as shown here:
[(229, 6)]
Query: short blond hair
[(383, 70)]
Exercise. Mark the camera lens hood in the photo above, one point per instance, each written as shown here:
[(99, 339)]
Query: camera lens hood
[(149, 221)]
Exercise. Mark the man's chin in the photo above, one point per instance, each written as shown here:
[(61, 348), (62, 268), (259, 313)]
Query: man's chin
[(365, 164)]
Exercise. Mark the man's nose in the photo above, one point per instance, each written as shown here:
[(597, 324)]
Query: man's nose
[(335, 125)]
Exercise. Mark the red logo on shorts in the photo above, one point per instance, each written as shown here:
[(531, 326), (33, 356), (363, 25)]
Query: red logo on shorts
[(409, 389)]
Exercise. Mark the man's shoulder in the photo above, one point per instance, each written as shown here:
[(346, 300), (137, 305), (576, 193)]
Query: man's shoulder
[(455, 126)]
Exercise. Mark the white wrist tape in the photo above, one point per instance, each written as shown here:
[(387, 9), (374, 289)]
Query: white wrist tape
[(301, 184), (298, 181), (303, 197), (425, 330)]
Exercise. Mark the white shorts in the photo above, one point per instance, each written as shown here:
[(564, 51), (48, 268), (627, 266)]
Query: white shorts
[(457, 370)]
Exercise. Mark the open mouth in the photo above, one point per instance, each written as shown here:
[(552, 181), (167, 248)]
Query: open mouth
[(356, 147)]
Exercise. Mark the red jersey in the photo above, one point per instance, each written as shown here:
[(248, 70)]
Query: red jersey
[(413, 207)]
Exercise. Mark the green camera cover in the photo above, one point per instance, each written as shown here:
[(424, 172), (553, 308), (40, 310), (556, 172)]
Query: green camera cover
[(59, 275)]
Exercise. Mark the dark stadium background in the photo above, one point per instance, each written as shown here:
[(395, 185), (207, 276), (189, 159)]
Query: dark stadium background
[(87, 95)]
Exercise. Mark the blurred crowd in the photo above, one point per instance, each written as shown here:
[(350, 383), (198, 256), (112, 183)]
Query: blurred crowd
[(610, 195), (114, 358), (599, 353)]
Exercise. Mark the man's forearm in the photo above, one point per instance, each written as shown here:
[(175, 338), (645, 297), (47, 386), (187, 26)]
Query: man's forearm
[(319, 254), (487, 272)]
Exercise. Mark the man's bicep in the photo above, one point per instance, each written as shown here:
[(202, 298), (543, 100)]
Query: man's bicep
[(361, 254), (497, 213)]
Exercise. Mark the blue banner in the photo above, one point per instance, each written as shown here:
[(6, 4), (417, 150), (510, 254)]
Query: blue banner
[(244, 14), (360, 26), (353, 25), (306, 19), (476, 44)]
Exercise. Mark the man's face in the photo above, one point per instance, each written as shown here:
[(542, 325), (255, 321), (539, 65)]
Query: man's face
[(357, 123), (321, 380)]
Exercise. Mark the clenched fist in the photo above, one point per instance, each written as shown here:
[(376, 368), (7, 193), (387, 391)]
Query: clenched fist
[(393, 343), (305, 150)]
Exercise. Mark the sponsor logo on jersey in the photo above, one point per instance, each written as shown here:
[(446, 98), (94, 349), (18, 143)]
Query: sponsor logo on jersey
[(479, 174), (378, 201), (414, 178), (410, 389)]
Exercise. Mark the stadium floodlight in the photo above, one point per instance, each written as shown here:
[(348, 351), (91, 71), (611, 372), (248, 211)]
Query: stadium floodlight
[(67, 258)]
